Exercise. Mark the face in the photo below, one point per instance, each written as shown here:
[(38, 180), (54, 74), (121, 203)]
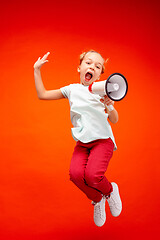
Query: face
[(90, 68)]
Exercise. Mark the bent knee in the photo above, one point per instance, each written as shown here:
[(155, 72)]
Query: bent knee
[(76, 175), (92, 179)]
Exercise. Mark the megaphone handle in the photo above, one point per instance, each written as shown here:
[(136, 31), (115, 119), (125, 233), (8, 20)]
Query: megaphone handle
[(110, 107)]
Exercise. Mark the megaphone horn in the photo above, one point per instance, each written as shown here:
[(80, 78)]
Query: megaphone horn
[(115, 87)]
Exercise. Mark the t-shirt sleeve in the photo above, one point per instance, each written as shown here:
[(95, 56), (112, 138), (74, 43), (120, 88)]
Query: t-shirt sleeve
[(65, 91)]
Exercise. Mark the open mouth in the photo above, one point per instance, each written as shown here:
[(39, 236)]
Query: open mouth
[(88, 76)]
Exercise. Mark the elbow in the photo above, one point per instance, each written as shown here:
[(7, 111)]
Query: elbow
[(41, 96), (113, 117), (113, 120)]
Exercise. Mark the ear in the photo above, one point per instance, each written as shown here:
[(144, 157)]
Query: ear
[(78, 69)]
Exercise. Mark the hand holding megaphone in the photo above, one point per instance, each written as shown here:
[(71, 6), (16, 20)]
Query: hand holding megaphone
[(115, 87), (108, 103)]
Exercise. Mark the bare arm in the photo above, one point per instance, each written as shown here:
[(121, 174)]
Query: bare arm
[(41, 91), (113, 114)]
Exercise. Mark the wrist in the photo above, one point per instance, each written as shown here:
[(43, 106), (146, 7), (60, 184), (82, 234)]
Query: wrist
[(110, 107), (36, 69)]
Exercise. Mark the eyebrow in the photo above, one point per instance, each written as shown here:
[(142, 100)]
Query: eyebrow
[(97, 62)]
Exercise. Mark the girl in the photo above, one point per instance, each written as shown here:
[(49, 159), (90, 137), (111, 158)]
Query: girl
[(91, 130)]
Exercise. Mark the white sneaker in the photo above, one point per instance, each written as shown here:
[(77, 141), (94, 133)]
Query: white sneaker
[(99, 212), (114, 201)]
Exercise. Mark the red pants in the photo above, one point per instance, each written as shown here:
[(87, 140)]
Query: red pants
[(88, 166)]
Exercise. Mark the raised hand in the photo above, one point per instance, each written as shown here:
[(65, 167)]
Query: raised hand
[(41, 61)]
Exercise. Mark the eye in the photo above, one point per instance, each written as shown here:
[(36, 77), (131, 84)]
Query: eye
[(98, 67), (88, 62)]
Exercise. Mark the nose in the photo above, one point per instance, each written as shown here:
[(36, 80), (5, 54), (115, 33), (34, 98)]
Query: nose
[(92, 66)]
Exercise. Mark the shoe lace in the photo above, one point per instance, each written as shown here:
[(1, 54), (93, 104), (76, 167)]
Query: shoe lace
[(112, 200), (97, 210)]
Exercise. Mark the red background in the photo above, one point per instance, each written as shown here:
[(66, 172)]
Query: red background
[(37, 200)]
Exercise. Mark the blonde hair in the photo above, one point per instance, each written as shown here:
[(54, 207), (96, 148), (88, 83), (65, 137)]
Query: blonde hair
[(82, 55)]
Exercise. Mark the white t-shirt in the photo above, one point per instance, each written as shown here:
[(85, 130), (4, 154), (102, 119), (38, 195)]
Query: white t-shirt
[(87, 114)]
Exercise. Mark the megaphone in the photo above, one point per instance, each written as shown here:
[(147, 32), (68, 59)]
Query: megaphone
[(115, 87)]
